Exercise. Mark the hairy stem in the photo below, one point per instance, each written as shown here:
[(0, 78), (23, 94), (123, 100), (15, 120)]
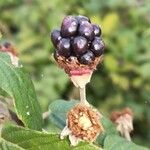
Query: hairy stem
[(83, 95)]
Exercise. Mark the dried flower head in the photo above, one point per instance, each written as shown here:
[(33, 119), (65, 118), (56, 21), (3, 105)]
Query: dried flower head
[(124, 121), (83, 123), (10, 50)]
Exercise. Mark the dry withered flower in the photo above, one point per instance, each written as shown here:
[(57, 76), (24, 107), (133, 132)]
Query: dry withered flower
[(11, 51), (83, 123), (124, 122)]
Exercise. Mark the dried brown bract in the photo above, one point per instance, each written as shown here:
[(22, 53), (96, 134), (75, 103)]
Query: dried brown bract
[(83, 123)]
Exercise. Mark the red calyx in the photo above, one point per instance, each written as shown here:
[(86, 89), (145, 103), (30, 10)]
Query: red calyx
[(79, 72)]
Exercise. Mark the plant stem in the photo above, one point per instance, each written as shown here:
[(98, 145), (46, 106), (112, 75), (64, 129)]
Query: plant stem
[(83, 95)]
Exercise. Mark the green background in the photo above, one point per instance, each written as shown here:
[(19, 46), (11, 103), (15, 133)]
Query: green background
[(123, 78)]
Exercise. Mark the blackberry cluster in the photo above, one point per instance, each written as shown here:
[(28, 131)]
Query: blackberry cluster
[(78, 37)]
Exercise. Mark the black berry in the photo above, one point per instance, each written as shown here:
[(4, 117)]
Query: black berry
[(55, 37), (87, 58), (86, 30), (80, 45), (97, 30), (78, 39), (64, 47), (97, 46), (81, 19), (69, 26)]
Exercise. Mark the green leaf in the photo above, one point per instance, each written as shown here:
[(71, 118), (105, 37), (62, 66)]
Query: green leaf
[(17, 83), (114, 142), (34, 140), (109, 128), (5, 145), (58, 112)]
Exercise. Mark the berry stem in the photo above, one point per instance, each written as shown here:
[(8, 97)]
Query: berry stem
[(83, 95)]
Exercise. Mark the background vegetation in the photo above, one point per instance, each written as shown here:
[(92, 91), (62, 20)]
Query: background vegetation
[(123, 79)]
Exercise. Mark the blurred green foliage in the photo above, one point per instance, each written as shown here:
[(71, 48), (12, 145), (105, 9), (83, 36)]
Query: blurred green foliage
[(123, 79)]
